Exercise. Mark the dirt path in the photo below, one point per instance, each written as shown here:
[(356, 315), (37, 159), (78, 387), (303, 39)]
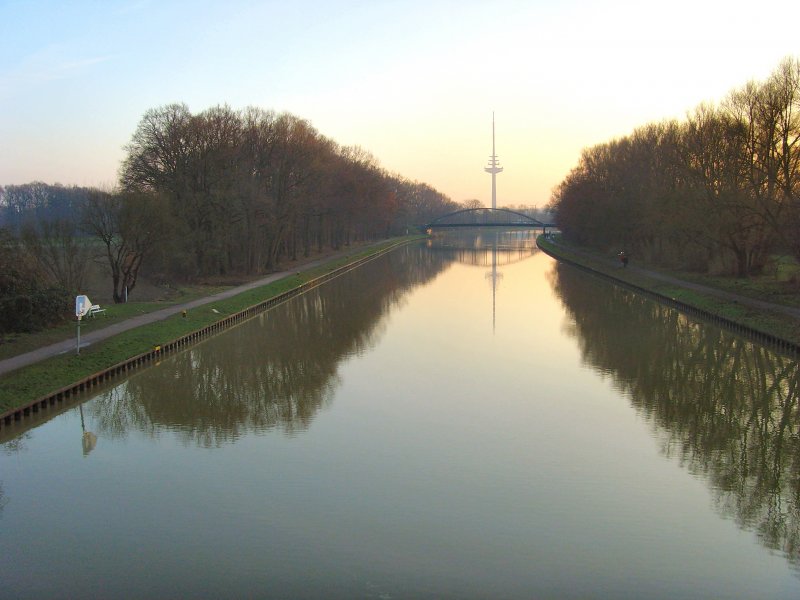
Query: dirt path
[(40, 354)]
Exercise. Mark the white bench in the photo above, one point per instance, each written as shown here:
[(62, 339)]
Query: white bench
[(95, 310)]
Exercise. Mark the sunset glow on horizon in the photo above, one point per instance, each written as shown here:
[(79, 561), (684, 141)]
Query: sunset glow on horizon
[(414, 83)]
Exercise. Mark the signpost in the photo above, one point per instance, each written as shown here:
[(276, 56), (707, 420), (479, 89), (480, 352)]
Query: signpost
[(82, 306)]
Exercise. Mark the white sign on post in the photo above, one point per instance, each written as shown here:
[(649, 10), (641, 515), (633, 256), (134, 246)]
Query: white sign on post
[(82, 306)]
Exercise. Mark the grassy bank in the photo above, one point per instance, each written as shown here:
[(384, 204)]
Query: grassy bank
[(27, 384), (765, 320), (20, 343)]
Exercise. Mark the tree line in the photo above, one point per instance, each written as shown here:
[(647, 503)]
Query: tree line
[(220, 192), (243, 190), (718, 191)]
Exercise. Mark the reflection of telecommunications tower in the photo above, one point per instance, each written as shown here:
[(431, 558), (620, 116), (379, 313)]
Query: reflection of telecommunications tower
[(494, 168), (495, 277)]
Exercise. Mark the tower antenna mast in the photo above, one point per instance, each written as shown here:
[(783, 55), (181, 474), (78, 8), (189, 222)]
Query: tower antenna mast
[(494, 168)]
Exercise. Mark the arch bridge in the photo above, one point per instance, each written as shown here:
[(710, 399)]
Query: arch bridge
[(486, 217)]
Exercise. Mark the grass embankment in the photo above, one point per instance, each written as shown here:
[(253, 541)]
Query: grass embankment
[(25, 385), (775, 287)]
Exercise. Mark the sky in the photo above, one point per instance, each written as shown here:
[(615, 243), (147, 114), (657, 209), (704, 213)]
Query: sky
[(415, 83)]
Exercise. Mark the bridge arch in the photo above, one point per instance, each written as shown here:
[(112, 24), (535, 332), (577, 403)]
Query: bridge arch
[(485, 217)]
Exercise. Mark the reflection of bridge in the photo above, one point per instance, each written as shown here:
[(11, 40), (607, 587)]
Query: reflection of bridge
[(486, 217), (485, 247), (487, 256)]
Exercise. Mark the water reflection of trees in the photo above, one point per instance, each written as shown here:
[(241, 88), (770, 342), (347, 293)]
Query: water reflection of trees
[(728, 409), (275, 371)]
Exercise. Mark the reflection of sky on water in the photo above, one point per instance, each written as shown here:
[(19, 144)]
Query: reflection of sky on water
[(390, 443)]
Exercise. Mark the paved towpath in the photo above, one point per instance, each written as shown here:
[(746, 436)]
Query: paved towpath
[(792, 311), (40, 354)]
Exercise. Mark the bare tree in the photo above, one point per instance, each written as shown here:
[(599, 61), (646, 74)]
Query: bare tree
[(129, 225), (473, 203), (27, 301), (59, 250), (785, 87)]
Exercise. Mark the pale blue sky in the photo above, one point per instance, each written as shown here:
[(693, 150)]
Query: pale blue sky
[(413, 82)]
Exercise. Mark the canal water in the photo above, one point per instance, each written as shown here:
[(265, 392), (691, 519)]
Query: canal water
[(464, 418)]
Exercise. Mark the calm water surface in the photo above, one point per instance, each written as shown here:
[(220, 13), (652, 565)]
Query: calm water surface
[(461, 419)]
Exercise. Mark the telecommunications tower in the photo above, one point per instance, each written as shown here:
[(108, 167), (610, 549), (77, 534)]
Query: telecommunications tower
[(494, 168)]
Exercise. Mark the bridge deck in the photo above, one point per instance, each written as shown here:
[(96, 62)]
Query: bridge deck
[(486, 217)]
